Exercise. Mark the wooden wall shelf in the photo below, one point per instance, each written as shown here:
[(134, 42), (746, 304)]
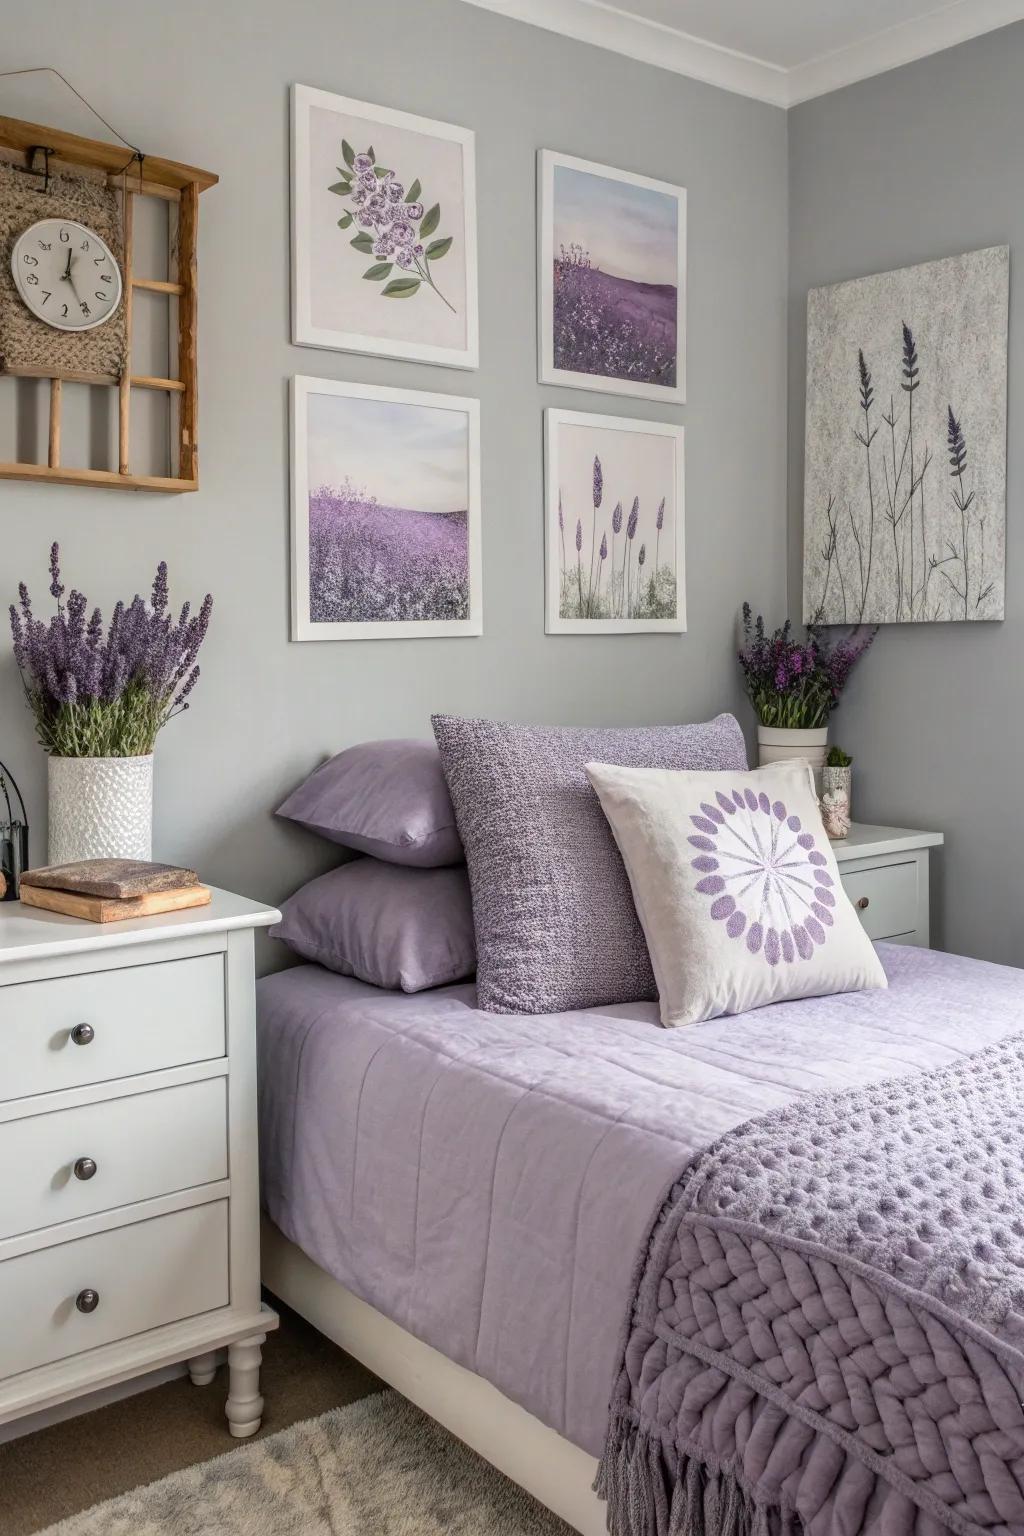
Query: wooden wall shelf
[(21, 143)]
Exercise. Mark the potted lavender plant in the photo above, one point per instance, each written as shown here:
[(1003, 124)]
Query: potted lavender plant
[(794, 685), (99, 701)]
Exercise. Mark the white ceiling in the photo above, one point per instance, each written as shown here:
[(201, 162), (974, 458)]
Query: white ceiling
[(782, 51)]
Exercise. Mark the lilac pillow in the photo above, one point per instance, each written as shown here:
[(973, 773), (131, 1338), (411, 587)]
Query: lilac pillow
[(556, 927), (397, 928), (385, 798)]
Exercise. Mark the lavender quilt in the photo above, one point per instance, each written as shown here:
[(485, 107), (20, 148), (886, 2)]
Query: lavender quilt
[(489, 1182)]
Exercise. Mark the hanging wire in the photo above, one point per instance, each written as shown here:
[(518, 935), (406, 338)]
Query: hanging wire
[(48, 69)]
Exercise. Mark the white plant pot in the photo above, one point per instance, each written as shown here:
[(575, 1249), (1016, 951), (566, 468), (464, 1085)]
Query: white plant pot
[(100, 808), (777, 744)]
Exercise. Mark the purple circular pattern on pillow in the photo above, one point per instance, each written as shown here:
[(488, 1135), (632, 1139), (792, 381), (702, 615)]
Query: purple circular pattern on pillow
[(768, 884)]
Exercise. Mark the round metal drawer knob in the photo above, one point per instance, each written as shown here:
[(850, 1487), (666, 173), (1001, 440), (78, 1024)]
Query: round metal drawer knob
[(84, 1168), (87, 1301), (863, 902), (83, 1034)]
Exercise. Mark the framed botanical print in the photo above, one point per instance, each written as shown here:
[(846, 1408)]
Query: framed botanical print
[(383, 231), (614, 525), (612, 280), (385, 513)]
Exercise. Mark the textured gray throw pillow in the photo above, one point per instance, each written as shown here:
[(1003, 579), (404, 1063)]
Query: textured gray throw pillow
[(556, 927)]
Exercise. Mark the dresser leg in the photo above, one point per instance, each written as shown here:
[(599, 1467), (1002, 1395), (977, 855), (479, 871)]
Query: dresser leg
[(202, 1369), (244, 1406)]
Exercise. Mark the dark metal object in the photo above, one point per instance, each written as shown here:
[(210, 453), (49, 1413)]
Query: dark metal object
[(863, 903), (87, 1301), (13, 835), (83, 1034), (84, 1168)]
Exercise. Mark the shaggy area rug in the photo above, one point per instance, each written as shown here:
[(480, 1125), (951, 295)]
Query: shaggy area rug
[(376, 1468)]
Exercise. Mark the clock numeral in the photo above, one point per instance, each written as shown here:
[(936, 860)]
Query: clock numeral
[(64, 311), (46, 295), (98, 261), (46, 245), (106, 278), (84, 246), (65, 237), (85, 309), (104, 296), (30, 261), (32, 279)]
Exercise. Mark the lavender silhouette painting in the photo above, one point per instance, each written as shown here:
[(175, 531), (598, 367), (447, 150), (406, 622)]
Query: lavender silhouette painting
[(388, 515), (612, 279), (905, 469)]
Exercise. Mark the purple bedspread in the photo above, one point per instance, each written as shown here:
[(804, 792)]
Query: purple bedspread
[(488, 1181)]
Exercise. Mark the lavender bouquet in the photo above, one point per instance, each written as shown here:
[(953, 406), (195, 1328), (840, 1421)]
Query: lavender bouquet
[(106, 695), (796, 684)]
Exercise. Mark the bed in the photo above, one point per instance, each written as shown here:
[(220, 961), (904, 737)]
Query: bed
[(437, 1179)]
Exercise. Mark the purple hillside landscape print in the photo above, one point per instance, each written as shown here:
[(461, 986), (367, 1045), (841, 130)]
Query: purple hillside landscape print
[(613, 245), (763, 874), (387, 511)]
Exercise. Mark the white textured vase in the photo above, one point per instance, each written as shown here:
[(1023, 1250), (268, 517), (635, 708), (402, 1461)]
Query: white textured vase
[(778, 744), (100, 808)]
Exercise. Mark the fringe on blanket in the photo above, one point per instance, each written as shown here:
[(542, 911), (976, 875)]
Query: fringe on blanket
[(650, 1491)]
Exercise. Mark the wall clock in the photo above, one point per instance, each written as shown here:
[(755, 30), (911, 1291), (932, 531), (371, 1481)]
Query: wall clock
[(67, 282), (66, 275)]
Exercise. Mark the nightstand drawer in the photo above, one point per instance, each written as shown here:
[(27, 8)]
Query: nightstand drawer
[(140, 1277), (886, 898), (75, 1162), (76, 1030)]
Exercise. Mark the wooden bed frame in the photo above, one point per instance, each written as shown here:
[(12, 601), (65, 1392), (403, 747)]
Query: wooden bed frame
[(552, 1469)]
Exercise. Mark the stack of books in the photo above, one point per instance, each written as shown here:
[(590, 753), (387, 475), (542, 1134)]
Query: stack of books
[(112, 890)]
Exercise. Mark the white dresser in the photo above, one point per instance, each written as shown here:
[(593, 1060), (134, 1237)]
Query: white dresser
[(129, 1213), (885, 873)]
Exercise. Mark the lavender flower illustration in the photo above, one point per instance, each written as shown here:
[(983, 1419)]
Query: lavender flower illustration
[(598, 492), (634, 517), (632, 588), (392, 225)]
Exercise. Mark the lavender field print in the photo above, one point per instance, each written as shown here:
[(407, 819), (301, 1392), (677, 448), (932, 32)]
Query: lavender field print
[(905, 468), (386, 513), (614, 525), (383, 231), (612, 279)]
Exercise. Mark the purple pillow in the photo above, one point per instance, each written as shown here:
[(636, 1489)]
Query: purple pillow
[(556, 927), (385, 798), (397, 928)]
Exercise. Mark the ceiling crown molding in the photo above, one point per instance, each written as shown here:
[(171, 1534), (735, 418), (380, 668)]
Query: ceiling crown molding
[(592, 21), (606, 26)]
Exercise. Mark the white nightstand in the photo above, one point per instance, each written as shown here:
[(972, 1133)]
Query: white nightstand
[(129, 1212), (884, 871)]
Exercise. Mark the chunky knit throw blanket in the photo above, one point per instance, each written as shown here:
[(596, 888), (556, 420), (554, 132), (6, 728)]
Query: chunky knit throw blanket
[(827, 1330)]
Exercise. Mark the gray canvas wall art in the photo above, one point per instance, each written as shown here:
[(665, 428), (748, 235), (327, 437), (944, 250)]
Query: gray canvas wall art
[(905, 466)]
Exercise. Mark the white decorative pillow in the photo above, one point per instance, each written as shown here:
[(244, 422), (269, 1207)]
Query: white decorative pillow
[(736, 887)]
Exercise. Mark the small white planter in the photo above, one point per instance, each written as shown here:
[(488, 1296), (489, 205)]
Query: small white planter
[(777, 744), (100, 808)]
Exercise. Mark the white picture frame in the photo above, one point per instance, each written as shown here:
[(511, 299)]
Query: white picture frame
[(358, 428), (581, 225), (324, 293), (659, 471)]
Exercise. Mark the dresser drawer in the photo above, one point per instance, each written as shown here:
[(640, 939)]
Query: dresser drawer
[(885, 897), (137, 1020), (146, 1274), (75, 1162)]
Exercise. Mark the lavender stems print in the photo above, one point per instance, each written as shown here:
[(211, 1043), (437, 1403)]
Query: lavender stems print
[(623, 569), (612, 279), (386, 513), (903, 370)]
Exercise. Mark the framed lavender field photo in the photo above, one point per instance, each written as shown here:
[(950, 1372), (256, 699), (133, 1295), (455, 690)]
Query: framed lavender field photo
[(614, 525), (383, 231), (385, 513), (612, 279)]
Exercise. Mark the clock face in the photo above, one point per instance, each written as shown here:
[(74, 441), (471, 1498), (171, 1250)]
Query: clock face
[(66, 274)]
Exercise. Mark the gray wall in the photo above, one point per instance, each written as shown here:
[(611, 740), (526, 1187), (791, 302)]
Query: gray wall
[(921, 163), (207, 83)]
